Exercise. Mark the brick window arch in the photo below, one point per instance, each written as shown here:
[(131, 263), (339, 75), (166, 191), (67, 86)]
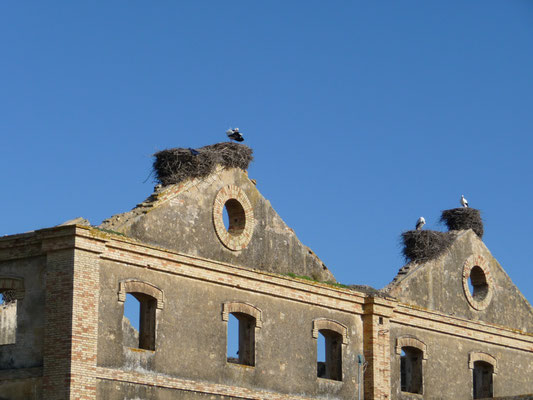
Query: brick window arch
[(331, 325), (334, 335), (150, 299), (409, 341), (138, 286), (250, 318), (481, 356), (11, 290), (243, 308), (13, 285)]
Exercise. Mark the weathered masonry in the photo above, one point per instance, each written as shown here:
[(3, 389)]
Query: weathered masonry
[(454, 327)]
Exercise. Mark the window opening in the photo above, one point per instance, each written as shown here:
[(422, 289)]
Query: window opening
[(138, 323), (8, 317), (236, 217), (225, 218), (477, 283), (243, 332), (411, 370), (233, 339), (329, 355), (482, 377), (321, 356)]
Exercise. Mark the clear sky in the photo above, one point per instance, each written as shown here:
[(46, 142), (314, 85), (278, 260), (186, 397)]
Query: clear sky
[(363, 116)]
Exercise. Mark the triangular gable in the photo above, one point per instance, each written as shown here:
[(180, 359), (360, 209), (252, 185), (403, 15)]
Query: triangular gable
[(188, 218), (465, 281)]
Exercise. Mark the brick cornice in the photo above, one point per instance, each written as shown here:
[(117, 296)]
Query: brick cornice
[(476, 330), (126, 250), (40, 242)]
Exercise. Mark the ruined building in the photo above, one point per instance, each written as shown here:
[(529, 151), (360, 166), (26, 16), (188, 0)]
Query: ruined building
[(451, 327)]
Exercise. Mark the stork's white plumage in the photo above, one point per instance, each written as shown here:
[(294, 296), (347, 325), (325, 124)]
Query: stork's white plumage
[(234, 134), (464, 202), (420, 223)]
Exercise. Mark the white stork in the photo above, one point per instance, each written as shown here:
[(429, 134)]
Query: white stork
[(420, 223), (234, 134), (464, 202)]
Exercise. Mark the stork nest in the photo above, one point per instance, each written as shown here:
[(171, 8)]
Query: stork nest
[(459, 219), (425, 245), (175, 165)]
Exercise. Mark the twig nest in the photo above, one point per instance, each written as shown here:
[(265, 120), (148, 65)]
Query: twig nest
[(460, 219), (175, 165), (425, 245)]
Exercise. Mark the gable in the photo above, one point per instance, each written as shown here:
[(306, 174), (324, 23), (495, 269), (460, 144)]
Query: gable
[(465, 281), (188, 218)]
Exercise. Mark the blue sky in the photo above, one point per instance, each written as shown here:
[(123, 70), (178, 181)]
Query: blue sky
[(363, 116)]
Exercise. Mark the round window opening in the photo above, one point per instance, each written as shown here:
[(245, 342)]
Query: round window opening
[(479, 288), (477, 282), (234, 217)]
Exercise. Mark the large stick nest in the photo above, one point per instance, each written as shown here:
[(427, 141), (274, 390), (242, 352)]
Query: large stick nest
[(175, 165), (425, 245), (459, 219)]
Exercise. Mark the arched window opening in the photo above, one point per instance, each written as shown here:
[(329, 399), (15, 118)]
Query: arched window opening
[(482, 378), (241, 339), (8, 317), (411, 370), (138, 323), (329, 355)]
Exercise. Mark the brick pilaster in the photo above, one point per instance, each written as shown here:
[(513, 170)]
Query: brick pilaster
[(84, 325), (71, 328), (376, 343)]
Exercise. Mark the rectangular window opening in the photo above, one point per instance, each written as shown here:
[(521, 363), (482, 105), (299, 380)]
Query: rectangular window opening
[(138, 322), (241, 339), (8, 317), (482, 379), (329, 355), (411, 370)]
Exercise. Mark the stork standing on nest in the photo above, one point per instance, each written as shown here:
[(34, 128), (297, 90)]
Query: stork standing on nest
[(420, 223), (234, 134), (464, 202)]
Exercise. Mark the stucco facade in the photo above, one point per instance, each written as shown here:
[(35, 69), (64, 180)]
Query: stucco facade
[(426, 335)]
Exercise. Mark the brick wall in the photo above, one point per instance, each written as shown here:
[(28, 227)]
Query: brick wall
[(58, 324)]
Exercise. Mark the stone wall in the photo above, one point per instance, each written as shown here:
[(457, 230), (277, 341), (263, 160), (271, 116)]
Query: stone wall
[(76, 279), (191, 331), (446, 367), (188, 218)]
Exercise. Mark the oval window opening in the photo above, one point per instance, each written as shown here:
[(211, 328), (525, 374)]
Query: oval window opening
[(478, 285), (236, 217)]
